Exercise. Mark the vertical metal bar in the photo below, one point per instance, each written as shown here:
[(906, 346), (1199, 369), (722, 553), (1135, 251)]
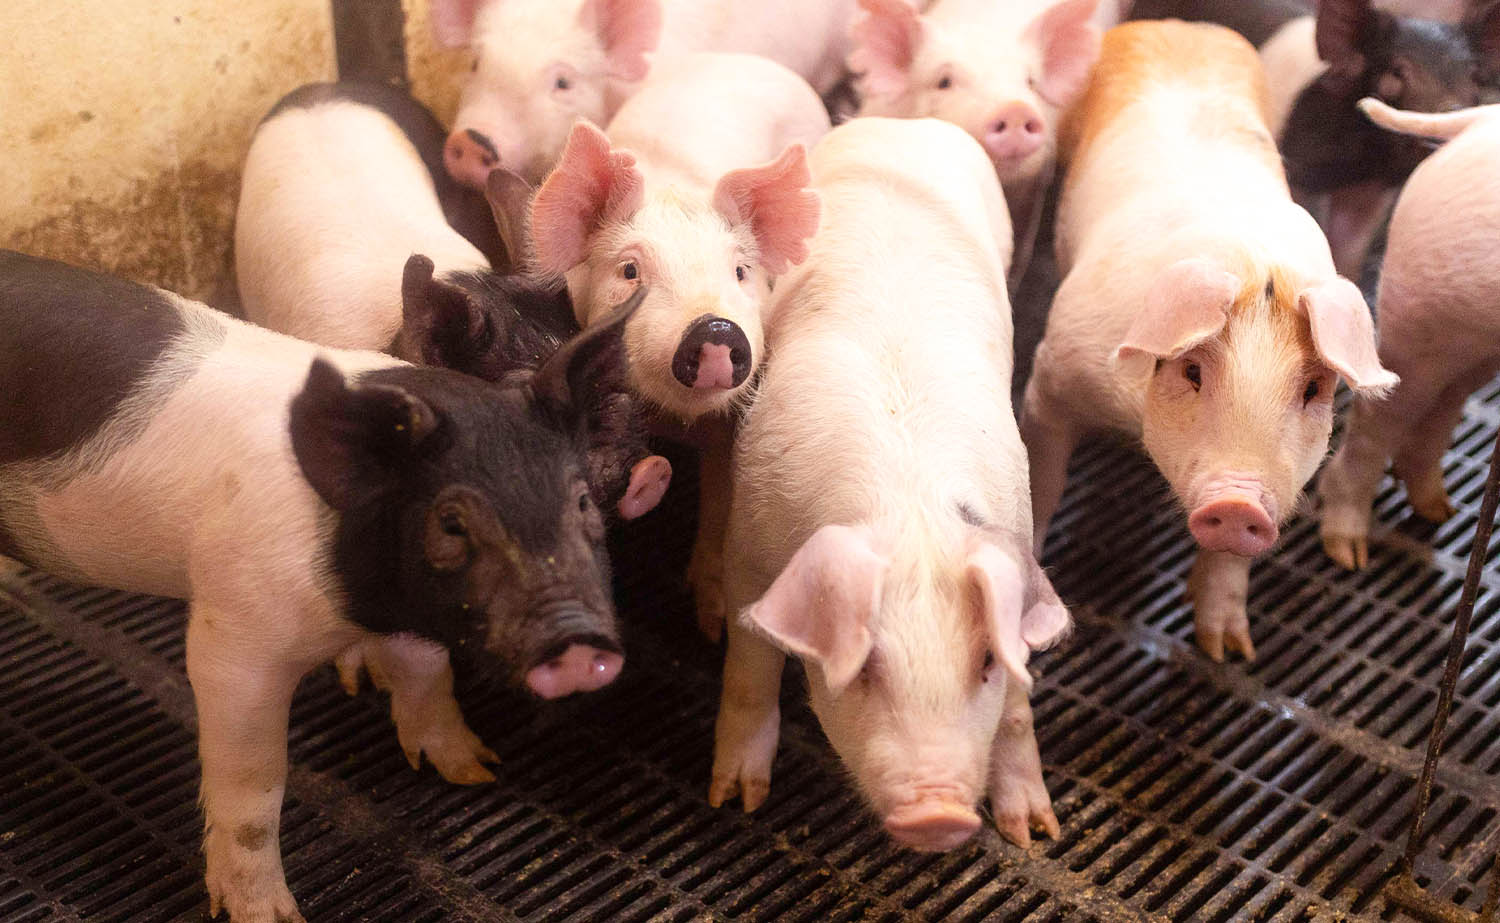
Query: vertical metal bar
[(1465, 613), (369, 39)]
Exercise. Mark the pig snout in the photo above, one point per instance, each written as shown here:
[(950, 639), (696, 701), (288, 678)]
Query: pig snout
[(932, 824), (1234, 517), (649, 479), (582, 666), (469, 156), (714, 354), (1014, 133)]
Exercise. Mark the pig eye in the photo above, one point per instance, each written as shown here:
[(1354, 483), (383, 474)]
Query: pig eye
[(984, 671), (1194, 374), (562, 83), (945, 82), (583, 503), (739, 273), (629, 270), (453, 524), (1310, 392)]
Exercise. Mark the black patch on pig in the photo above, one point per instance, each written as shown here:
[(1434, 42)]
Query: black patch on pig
[(467, 211), (73, 345), (252, 837), (1271, 289), (1256, 20)]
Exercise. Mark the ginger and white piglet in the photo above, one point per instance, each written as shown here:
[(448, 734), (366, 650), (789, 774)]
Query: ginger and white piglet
[(1200, 311), (1439, 310), (704, 203), (881, 515), (1003, 70)]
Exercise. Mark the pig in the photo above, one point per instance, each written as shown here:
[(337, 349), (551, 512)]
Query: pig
[(301, 499), (1199, 311), (706, 207), (1002, 71), (1320, 61), (317, 256), (880, 512), (541, 65), (1439, 310)]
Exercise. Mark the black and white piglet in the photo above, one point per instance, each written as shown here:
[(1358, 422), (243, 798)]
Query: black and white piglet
[(302, 500), (1320, 60), (351, 234)]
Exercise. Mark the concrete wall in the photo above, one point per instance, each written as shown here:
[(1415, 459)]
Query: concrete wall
[(123, 123)]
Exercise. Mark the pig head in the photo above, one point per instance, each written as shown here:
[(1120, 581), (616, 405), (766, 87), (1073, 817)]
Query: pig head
[(1238, 371), (539, 66), (694, 343), (1004, 83), (909, 656), (495, 544)]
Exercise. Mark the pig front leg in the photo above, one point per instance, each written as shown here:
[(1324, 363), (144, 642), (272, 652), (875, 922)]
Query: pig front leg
[(1349, 481), (749, 722), (1219, 586), (244, 699), (1050, 437), (1018, 794), (428, 721), (706, 569)]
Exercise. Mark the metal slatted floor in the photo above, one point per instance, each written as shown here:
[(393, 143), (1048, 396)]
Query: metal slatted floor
[(1187, 791)]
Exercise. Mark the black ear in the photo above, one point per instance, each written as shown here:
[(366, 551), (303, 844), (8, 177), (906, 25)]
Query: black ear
[(354, 443), (1484, 34), (441, 324), (509, 195), (1345, 31), (566, 382)]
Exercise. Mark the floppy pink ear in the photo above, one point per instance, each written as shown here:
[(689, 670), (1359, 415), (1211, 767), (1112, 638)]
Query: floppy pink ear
[(821, 606), (1344, 335), (1021, 615), (774, 199), (628, 30), (1069, 39), (886, 38), (453, 21), (590, 185), (1188, 304)]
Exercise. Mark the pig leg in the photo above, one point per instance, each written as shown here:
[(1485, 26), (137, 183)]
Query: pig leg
[(1349, 481), (1049, 436), (1026, 207), (419, 678), (1419, 462), (749, 722), (706, 569), (244, 698), (1219, 586), (1018, 795), (1355, 214)]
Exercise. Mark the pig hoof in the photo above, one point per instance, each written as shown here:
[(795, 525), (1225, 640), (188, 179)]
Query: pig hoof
[(438, 731), (744, 747), (1021, 806), (1350, 552), (1437, 508), (248, 885), (708, 596), (350, 665)]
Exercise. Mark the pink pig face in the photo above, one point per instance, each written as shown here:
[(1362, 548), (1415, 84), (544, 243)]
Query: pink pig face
[(1242, 369)]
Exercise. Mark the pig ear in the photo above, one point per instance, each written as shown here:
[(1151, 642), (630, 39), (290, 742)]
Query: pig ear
[(453, 21), (1344, 32), (353, 443), (1484, 34), (1069, 39), (567, 382), (1344, 335), (774, 199), (590, 185), (1020, 615), (886, 38), (628, 30), (822, 605), (440, 323), (509, 195), (1188, 304)]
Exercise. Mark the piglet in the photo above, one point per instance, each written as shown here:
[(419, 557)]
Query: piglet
[(705, 208), (541, 65), (880, 520), (1002, 71), (1439, 309), (301, 500), (1200, 311)]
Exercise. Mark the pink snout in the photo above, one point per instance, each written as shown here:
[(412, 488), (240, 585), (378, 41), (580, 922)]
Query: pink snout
[(469, 156), (1236, 523), (580, 668), (649, 479), (1015, 133), (932, 826)]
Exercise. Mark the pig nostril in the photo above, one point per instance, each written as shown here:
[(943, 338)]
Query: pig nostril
[(1214, 522), (1000, 127), (1033, 127)]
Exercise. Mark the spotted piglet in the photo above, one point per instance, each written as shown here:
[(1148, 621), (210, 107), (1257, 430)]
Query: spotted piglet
[(302, 500)]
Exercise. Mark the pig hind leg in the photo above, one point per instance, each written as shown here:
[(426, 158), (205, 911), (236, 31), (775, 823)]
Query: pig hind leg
[(1018, 794), (428, 721), (1419, 462), (706, 568), (1219, 586), (243, 701), (1050, 437)]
